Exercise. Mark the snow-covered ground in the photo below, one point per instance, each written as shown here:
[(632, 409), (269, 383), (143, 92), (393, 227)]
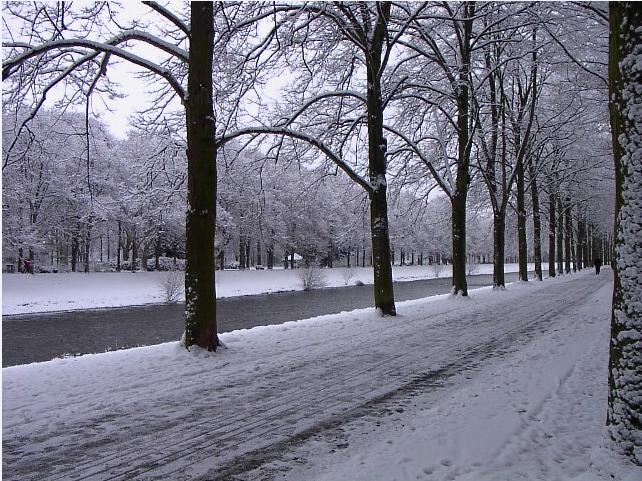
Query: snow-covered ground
[(23, 293), (502, 386)]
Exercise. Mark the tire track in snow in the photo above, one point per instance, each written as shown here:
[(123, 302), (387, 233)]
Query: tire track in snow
[(336, 405)]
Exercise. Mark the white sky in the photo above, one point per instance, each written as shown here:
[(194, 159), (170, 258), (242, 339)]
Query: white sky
[(136, 98)]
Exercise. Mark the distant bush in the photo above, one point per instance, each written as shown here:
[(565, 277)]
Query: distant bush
[(437, 267), (347, 273), (311, 277), (172, 286), (472, 268)]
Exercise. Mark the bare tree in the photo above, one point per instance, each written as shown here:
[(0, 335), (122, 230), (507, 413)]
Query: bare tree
[(331, 121), (60, 45)]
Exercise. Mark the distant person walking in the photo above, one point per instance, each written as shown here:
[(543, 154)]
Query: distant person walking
[(598, 263)]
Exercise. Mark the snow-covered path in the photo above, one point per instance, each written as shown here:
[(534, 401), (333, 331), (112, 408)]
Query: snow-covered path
[(271, 404)]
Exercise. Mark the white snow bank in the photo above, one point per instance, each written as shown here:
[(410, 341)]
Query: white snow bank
[(22, 293), (527, 404)]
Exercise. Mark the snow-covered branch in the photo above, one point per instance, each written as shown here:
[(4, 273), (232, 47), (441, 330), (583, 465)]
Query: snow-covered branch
[(294, 134)]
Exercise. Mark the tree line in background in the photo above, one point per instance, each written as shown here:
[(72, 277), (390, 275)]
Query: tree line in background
[(267, 212), (496, 109)]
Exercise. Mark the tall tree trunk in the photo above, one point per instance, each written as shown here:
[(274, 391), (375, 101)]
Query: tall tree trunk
[(270, 255), (241, 252), (120, 245), (377, 147), (551, 233), (75, 248), (567, 236), (589, 245), (157, 250), (580, 242), (537, 222), (134, 249), (522, 248), (145, 256), (200, 289), (458, 207), (460, 195), (88, 244), (259, 261), (499, 247), (560, 236), (624, 419)]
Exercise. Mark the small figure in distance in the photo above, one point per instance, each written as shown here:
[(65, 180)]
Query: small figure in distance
[(598, 263)]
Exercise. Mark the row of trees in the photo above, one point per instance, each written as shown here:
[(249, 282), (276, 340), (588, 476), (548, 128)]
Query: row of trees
[(266, 211), (435, 93), (459, 90)]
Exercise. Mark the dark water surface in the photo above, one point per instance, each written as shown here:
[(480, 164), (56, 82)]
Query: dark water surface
[(40, 337)]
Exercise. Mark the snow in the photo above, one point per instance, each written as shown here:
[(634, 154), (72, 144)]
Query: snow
[(68, 291), (506, 386), (625, 414)]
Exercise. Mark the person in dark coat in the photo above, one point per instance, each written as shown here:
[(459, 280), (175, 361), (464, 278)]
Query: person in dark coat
[(598, 263)]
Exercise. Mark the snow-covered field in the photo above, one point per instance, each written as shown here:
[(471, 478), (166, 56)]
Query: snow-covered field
[(66, 291), (504, 386)]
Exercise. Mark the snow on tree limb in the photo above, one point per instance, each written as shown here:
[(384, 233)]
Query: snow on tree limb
[(11, 64), (171, 17), (293, 134), (323, 96), (447, 189)]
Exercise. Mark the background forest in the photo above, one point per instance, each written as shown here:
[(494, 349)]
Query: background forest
[(77, 198)]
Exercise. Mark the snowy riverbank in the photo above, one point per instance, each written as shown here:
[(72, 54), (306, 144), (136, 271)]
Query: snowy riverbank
[(22, 293), (503, 386)]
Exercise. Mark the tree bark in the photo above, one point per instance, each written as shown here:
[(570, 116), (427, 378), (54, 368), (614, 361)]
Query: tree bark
[(270, 256), (581, 240), (624, 418), (460, 195), (560, 236), (499, 246), (200, 290), (460, 286), (120, 245), (241, 252), (134, 250), (377, 147), (157, 250), (551, 233), (75, 247), (87, 245), (567, 236), (522, 248), (537, 223)]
